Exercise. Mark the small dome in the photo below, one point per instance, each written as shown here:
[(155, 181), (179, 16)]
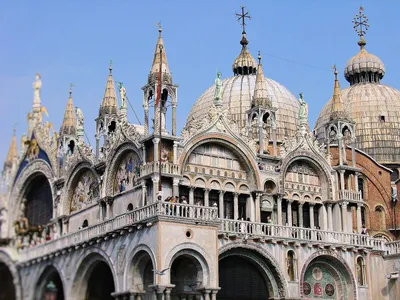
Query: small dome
[(237, 97), (375, 108), (364, 67), (244, 64)]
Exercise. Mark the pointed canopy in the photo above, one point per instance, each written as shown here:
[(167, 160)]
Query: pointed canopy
[(260, 97), (12, 151), (155, 67), (338, 110), (110, 103), (244, 64), (68, 126)]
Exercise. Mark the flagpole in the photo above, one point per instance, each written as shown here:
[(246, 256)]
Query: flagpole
[(160, 125)]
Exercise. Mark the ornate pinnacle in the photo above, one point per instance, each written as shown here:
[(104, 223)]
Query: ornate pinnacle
[(259, 57), (361, 26)]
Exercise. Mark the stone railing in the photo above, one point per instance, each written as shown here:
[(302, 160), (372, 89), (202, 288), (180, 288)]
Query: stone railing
[(393, 248), (175, 211), (350, 195), (262, 230), (166, 168)]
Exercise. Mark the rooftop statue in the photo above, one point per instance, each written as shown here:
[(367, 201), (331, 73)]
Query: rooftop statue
[(80, 118), (36, 88), (218, 87), (303, 111), (122, 93)]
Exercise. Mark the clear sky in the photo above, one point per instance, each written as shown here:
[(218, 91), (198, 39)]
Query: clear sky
[(73, 41)]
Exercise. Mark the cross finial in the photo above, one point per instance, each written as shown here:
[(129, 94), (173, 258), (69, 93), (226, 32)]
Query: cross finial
[(335, 71), (159, 28), (259, 57), (242, 18), (70, 89), (361, 25), (110, 67)]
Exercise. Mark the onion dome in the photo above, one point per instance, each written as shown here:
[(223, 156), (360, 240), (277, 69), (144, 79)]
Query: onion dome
[(68, 126), (110, 103), (155, 67), (244, 64)]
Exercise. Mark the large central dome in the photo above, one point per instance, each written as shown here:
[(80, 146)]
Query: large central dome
[(238, 92), (237, 95)]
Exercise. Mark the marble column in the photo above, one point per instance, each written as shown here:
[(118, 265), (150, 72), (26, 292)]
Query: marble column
[(258, 207), (359, 218), (330, 217), (144, 154), (144, 193), (146, 116), (174, 104), (235, 206), (279, 209), (221, 205), (100, 211), (341, 173), (155, 188), (300, 210), (344, 216), (260, 139), (175, 152), (175, 187), (206, 197), (191, 195), (289, 212), (340, 149), (312, 215), (275, 152), (156, 142), (214, 295)]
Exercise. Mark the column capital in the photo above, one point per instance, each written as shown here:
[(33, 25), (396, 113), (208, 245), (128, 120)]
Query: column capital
[(312, 204), (329, 205), (290, 201), (221, 192), (175, 181), (176, 143), (206, 190), (156, 140), (359, 205), (192, 188), (258, 195), (235, 194), (341, 171), (301, 203), (344, 203)]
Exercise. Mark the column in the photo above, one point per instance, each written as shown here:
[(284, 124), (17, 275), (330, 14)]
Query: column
[(175, 187), (144, 154), (175, 152), (312, 215), (275, 152), (359, 218), (235, 206), (100, 211), (146, 115), (174, 118), (206, 294), (353, 151), (206, 197), (341, 173), (156, 142), (97, 146), (155, 188), (191, 195), (340, 149), (168, 293), (344, 216), (330, 218), (144, 193), (356, 181), (214, 295), (260, 137), (258, 207), (289, 212), (301, 214), (279, 209), (221, 205)]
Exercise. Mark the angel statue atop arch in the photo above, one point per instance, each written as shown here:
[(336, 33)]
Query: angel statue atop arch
[(303, 111), (80, 118), (218, 87)]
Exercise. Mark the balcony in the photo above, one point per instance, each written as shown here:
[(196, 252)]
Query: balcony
[(258, 231), (393, 248), (348, 195), (120, 225), (167, 168)]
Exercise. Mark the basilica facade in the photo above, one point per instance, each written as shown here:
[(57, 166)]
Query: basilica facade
[(247, 202)]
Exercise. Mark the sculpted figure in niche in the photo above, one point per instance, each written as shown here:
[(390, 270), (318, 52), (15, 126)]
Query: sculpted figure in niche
[(125, 178), (345, 141), (218, 87), (86, 190)]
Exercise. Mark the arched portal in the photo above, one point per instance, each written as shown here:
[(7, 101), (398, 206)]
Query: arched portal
[(100, 283), (49, 280), (249, 274), (327, 277), (187, 276), (38, 201), (239, 279), (141, 275), (7, 288)]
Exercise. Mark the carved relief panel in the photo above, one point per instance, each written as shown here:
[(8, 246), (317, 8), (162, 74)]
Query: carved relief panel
[(85, 191)]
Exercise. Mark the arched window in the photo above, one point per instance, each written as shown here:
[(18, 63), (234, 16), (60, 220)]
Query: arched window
[(130, 207), (85, 224), (361, 187), (360, 271), (291, 265), (380, 214)]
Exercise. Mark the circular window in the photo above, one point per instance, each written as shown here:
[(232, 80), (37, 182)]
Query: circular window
[(306, 288), (269, 186), (189, 234)]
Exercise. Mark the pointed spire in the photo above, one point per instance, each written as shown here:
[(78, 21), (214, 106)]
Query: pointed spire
[(68, 126), (156, 60), (338, 110), (110, 103), (12, 155), (260, 97)]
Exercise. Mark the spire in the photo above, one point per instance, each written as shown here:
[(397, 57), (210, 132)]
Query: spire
[(109, 104), (156, 60), (260, 97), (244, 64), (338, 110), (68, 126), (12, 151)]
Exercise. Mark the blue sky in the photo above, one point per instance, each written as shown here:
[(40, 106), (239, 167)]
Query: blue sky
[(73, 41)]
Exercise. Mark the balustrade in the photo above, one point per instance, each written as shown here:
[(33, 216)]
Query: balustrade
[(166, 167), (393, 248), (350, 195)]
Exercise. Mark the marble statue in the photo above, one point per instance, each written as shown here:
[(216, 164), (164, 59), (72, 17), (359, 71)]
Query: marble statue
[(303, 111), (80, 118), (36, 87), (218, 87), (122, 93)]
